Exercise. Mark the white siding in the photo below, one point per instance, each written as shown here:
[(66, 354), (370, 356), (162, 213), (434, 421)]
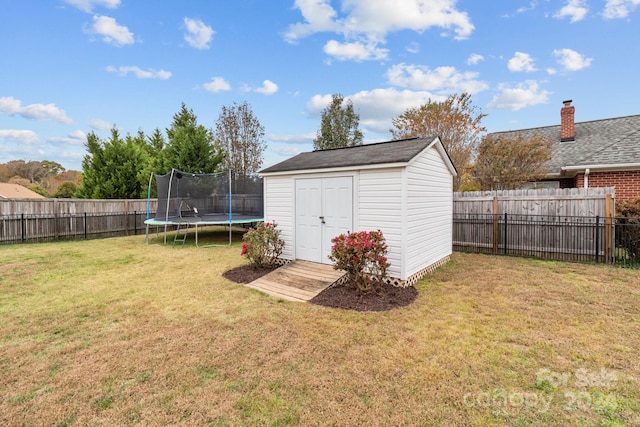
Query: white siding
[(429, 211), (380, 207), (411, 205), (279, 206)]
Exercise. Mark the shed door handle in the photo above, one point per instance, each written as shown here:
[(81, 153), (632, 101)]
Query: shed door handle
[(321, 219)]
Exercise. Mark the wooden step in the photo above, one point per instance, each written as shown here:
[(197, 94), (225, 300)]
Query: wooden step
[(297, 281)]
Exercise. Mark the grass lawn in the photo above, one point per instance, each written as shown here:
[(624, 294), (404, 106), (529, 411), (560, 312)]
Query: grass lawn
[(115, 332)]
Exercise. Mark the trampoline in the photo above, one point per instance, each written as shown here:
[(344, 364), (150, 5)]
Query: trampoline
[(195, 200)]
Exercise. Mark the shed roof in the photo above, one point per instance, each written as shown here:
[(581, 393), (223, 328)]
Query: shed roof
[(16, 191), (614, 141), (400, 151)]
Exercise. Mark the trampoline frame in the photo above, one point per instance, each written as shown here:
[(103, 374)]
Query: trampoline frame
[(196, 220)]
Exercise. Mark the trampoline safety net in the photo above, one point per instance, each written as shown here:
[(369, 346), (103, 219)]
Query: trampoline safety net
[(209, 198)]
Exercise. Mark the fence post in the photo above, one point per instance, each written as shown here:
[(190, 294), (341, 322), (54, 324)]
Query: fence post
[(85, 225), (597, 239), (22, 228), (504, 238), (496, 225), (609, 235), (135, 223)]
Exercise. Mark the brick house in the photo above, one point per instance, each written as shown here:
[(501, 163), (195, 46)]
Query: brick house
[(599, 153)]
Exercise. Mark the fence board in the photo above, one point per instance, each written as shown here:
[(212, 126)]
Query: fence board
[(562, 202), (35, 220)]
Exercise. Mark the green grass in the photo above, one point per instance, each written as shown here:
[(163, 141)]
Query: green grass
[(116, 332)]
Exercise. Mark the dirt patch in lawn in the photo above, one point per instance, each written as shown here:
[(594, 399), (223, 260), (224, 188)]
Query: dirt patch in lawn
[(345, 297), (246, 273)]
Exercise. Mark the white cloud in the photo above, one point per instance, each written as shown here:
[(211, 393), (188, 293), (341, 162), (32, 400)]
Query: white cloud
[(111, 32), (377, 107), (521, 62), (413, 47), (552, 71), (139, 72), (372, 20), (13, 107), (199, 34), (474, 58), (292, 138), (99, 124), (88, 5), (576, 10), (319, 17), (619, 8), (217, 84), (572, 60), (442, 79), (356, 51), (76, 137), (525, 94), (22, 136), (268, 88)]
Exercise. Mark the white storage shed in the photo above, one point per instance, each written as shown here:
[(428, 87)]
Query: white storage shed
[(403, 188)]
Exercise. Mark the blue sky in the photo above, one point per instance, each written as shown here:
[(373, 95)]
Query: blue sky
[(69, 67)]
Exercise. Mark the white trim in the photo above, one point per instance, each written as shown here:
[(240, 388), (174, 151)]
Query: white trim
[(604, 168), (296, 172)]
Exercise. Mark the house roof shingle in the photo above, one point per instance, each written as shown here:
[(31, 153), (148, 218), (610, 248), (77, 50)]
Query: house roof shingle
[(400, 151), (16, 191), (612, 141)]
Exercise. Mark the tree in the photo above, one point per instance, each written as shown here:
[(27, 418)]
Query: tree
[(156, 145), (113, 168), (509, 162), (240, 133), (190, 147), (455, 120), (66, 190), (338, 126)]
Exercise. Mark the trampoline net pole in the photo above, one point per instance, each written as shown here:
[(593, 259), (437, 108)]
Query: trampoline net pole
[(230, 205)]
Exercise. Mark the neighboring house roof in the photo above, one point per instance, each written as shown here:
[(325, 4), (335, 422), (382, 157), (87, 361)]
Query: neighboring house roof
[(16, 191), (608, 144), (391, 152)]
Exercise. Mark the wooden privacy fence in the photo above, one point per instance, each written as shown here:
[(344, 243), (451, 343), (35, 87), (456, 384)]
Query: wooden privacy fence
[(35, 220), (565, 224), (564, 202)]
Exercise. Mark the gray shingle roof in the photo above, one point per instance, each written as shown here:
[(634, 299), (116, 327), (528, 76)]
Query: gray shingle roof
[(599, 142), (400, 151)]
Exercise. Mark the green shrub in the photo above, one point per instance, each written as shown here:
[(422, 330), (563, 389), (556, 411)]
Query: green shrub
[(628, 232), (362, 256), (262, 245)]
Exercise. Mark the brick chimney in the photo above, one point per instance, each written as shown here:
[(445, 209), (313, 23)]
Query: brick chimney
[(567, 122)]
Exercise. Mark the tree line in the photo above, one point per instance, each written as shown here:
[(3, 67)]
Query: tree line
[(120, 166), (483, 162)]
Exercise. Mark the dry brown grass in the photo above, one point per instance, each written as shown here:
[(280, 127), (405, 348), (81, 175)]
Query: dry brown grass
[(113, 332)]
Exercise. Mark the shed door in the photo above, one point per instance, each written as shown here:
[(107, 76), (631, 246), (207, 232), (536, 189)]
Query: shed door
[(324, 209)]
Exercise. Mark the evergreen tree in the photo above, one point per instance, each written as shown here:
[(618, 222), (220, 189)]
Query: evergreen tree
[(338, 126), (190, 147), (113, 168)]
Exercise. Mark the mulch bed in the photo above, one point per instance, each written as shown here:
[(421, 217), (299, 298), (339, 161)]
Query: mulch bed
[(345, 297)]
